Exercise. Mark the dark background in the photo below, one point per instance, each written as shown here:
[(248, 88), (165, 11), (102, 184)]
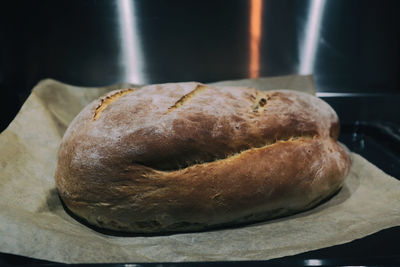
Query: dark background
[(356, 68), (79, 42)]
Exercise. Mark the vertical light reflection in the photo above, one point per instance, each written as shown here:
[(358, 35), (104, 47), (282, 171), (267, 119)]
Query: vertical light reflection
[(130, 56), (255, 37), (311, 36)]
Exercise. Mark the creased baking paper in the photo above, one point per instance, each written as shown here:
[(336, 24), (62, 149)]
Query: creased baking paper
[(33, 222)]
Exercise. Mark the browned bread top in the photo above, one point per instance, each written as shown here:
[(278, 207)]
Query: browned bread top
[(172, 126)]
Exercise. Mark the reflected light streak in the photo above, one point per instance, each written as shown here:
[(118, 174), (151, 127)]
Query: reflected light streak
[(313, 262), (311, 36), (255, 37), (130, 56)]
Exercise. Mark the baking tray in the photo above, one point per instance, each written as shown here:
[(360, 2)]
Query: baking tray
[(377, 141)]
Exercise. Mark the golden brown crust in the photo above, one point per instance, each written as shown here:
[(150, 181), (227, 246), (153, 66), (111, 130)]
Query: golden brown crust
[(185, 157)]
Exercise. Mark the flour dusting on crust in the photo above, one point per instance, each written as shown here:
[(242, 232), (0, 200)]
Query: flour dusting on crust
[(141, 125)]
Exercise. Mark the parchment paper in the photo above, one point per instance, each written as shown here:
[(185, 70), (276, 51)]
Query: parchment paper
[(33, 222)]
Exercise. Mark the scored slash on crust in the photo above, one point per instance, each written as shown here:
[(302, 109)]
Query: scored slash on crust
[(260, 103), (106, 101), (299, 139), (199, 88)]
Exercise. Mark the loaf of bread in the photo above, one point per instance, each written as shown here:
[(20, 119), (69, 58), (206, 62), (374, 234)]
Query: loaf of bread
[(187, 157)]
